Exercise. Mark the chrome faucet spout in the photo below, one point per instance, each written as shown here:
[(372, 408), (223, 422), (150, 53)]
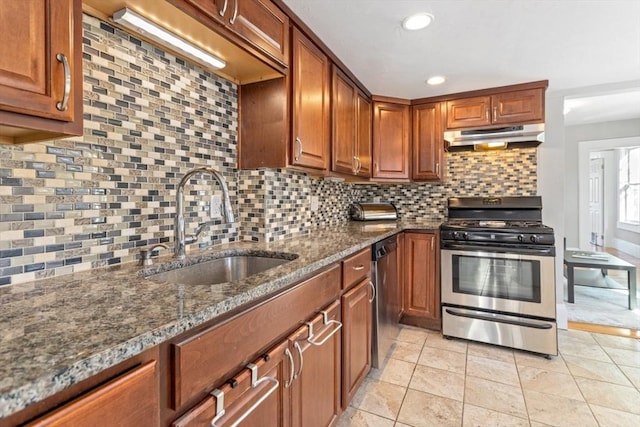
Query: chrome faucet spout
[(181, 239)]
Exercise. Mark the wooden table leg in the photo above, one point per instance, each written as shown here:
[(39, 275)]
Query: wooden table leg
[(570, 283), (633, 300)]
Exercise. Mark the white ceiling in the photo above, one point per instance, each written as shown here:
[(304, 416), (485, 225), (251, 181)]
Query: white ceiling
[(479, 44)]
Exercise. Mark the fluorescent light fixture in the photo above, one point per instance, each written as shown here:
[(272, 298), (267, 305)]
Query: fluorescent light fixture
[(137, 23), (435, 80), (417, 21), (497, 145)]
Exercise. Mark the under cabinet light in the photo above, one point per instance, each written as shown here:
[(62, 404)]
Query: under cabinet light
[(137, 23)]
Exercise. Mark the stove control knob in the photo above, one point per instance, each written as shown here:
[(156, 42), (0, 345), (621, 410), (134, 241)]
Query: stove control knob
[(465, 235), (521, 238), (456, 235), (534, 238)]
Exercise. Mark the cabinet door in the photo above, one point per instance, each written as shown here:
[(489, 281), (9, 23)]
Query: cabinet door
[(363, 134), (343, 114), (315, 393), (264, 403), (421, 293), (216, 9), (263, 25), (356, 338), (428, 143), (518, 107), (38, 58), (311, 131), (468, 112), (390, 140), (129, 400)]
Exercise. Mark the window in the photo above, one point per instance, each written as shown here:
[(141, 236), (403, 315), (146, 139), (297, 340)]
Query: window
[(629, 186)]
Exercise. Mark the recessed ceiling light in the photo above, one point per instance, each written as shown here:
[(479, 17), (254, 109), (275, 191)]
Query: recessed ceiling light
[(436, 80), (417, 21)]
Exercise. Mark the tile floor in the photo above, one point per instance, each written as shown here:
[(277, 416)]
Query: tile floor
[(430, 381)]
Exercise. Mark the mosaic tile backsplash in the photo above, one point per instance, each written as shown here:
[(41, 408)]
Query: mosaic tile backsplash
[(149, 117)]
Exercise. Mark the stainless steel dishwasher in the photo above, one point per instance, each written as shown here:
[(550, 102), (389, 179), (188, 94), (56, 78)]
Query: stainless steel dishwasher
[(387, 306)]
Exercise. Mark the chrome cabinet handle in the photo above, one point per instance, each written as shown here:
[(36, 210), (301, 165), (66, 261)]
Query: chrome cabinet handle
[(495, 114), (433, 239), (219, 395), (486, 114), (299, 350), (235, 13), (437, 168), (298, 151), (224, 8), (373, 291), (292, 368), (255, 382), (359, 267), (359, 165), (354, 164), (326, 322), (63, 105)]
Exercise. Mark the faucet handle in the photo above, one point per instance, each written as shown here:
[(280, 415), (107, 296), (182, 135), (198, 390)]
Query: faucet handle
[(145, 254)]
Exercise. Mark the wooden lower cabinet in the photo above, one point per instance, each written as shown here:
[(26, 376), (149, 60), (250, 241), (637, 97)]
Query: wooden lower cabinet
[(421, 280), (356, 338)]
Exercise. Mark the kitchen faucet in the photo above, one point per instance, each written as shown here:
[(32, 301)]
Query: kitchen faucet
[(183, 239)]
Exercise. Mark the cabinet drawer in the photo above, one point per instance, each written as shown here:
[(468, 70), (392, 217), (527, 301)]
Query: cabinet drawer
[(129, 400), (204, 359), (356, 267)]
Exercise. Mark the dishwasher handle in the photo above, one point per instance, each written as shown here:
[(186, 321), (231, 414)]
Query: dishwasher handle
[(384, 248)]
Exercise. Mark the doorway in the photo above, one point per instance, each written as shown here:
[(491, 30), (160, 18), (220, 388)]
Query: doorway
[(596, 200)]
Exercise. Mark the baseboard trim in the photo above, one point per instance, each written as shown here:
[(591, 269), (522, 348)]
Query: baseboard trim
[(604, 329)]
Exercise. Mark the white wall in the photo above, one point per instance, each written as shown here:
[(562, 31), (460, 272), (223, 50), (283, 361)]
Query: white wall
[(574, 135)]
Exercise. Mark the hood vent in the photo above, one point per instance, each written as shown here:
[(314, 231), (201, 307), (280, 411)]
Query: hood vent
[(520, 136)]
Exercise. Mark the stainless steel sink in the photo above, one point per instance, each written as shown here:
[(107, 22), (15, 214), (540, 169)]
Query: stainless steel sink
[(220, 270)]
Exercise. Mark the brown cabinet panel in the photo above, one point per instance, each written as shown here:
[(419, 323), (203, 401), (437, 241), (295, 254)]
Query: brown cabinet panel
[(40, 68), (129, 400), (421, 283), (363, 134), (264, 405), (344, 124), (315, 393), (356, 267), (518, 107), (469, 112), (356, 338), (199, 361), (428, 143), (310, 121), (391, 141)]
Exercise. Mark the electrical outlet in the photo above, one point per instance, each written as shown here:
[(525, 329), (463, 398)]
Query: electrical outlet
[(315, 204), (215, 207)]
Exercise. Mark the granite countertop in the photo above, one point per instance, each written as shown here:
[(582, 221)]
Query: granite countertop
[(62, 330)]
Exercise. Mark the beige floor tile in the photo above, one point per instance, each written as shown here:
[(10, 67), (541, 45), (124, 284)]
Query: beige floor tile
[(588, 351), (595, 370), (537, 424), (405, 351), (624, 357), (475, 416), (617, 342), (394, 371), (443, 359), (439, 382), (555, 364), (412, 335), (490, 351), (633, 374), (496, 396), (491, 369), (434, 341), (353, 417), (379, 398), (609, 395), (401, 425), (608, 417), (549, 382), (573, 335), (427, 410), (557, 410)]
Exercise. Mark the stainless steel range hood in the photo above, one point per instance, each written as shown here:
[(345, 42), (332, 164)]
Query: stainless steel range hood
[(519, 136)]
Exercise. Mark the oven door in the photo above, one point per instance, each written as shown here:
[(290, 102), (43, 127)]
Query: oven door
[(482, 278)]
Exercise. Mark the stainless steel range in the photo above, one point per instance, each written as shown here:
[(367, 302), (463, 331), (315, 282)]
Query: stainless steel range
[(498, 273)]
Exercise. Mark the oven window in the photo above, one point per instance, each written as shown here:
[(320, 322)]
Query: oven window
[(511, 279)]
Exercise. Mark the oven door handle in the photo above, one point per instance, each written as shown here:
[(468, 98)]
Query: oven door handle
[(470, 247), (497, 319)]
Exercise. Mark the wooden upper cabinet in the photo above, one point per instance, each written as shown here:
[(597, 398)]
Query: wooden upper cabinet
[(310, 113), (428, 143), (391, 129), (421, 284), (503, 108), (40, 69), (258, 22), (351, 119)]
